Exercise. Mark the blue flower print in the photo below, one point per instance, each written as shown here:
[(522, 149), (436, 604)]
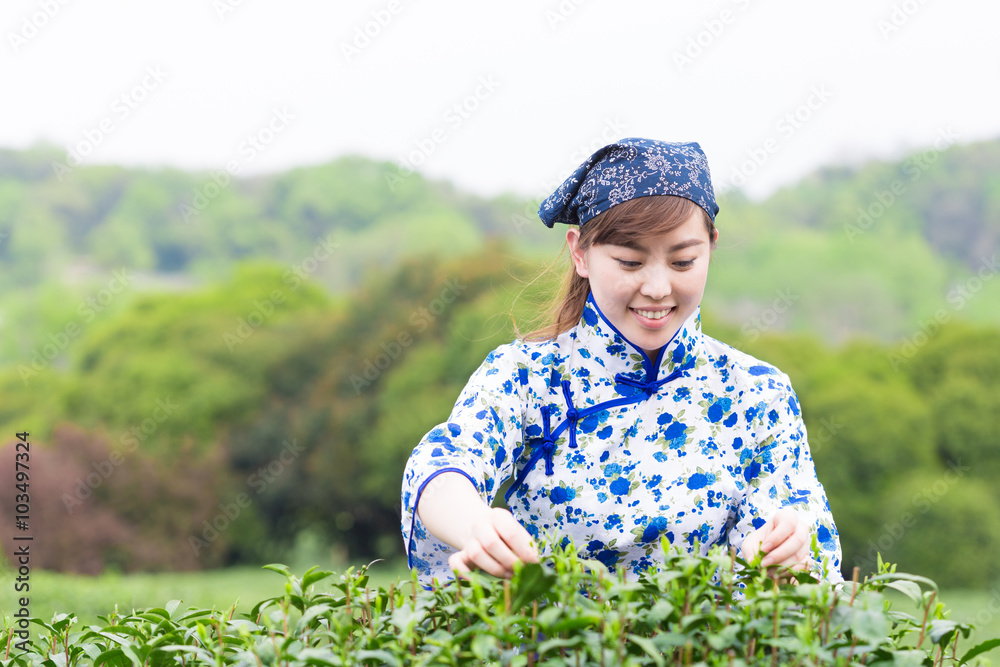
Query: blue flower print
[(620, 487), (653, 529), (718, 409), (700, 480), (825, 537), (561, 494), (675, 435)]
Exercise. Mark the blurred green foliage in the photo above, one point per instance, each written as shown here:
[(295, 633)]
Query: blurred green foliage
[(263, 370)]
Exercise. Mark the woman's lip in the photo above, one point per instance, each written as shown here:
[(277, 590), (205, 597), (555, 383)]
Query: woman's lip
[(650, 323)]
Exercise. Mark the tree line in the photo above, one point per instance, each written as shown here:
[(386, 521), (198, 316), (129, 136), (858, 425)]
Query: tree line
[(214, 426)]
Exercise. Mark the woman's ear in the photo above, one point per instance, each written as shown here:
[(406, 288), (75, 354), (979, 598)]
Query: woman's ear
[(579, 256)]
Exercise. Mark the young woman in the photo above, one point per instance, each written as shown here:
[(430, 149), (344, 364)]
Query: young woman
[(622, 422)]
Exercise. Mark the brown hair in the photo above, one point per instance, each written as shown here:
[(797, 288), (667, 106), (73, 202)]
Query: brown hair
[(622, 224)]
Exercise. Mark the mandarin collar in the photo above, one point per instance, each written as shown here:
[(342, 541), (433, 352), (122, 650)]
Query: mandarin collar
[(618, 354)]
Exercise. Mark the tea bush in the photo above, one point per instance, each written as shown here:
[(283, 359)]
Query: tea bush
[(713, 610)]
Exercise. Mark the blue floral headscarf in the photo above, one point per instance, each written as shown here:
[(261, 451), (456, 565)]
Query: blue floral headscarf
[(628, 169)]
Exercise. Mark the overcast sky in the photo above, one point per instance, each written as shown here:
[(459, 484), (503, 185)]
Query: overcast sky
[(502, 96)]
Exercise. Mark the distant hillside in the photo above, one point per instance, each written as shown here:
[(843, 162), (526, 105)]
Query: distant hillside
[(871, 251), (169, 221), (950, 197), (887, 250)]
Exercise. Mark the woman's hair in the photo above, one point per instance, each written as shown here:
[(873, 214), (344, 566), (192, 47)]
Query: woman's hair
[(622, 224)]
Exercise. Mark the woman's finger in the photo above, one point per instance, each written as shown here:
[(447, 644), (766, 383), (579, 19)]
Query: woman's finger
[(786, 539), (475, 556), (494, 547), (780, 554), (517, 539), (479, 557), (457, 563), (788, 551), (783, 525), (751, 545)]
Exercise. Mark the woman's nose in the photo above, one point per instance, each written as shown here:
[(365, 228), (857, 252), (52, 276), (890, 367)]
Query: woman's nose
[(656, 283)]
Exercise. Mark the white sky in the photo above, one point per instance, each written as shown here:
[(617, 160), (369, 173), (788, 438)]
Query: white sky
[(606, 70)]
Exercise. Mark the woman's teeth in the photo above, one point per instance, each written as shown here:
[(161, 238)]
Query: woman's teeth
[(654, 314)]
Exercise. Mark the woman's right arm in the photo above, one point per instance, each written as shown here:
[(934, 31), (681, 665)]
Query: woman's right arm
[(487, 538), (460, 465)]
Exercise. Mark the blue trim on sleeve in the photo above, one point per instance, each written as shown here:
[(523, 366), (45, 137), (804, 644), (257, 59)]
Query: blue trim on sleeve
[(416, 503)]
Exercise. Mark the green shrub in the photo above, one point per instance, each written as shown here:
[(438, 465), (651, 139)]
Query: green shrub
[(948, 508), (714, 610)]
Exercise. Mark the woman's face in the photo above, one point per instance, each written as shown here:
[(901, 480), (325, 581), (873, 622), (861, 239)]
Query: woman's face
[(648, 291)]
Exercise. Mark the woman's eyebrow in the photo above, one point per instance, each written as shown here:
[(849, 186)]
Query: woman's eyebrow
[(685, 244), (636, 245)]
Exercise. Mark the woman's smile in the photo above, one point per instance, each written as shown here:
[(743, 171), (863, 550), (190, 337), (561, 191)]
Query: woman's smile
[(653, 319), (649, 288)]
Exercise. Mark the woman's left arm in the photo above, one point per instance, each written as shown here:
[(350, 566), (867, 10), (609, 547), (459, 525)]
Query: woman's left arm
[(784, 505)]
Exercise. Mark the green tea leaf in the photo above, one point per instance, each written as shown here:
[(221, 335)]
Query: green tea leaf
[(311, 577), (903, 576), (908, 588), (277, 567), (380, 658), (940, 628), (870, 625), (979, 649), (649, 647), (530, 583)]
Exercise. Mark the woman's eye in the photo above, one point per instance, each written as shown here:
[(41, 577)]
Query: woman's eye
[(628, 264), (685, 264)]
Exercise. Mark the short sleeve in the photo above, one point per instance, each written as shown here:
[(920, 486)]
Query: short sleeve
[(781, 474), (481, 440)]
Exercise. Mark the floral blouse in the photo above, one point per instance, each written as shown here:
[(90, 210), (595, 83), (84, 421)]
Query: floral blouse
[(701, 445)]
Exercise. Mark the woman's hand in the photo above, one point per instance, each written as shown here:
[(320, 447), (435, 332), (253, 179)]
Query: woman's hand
[(487, 538), (493, 544), (785, 540)]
